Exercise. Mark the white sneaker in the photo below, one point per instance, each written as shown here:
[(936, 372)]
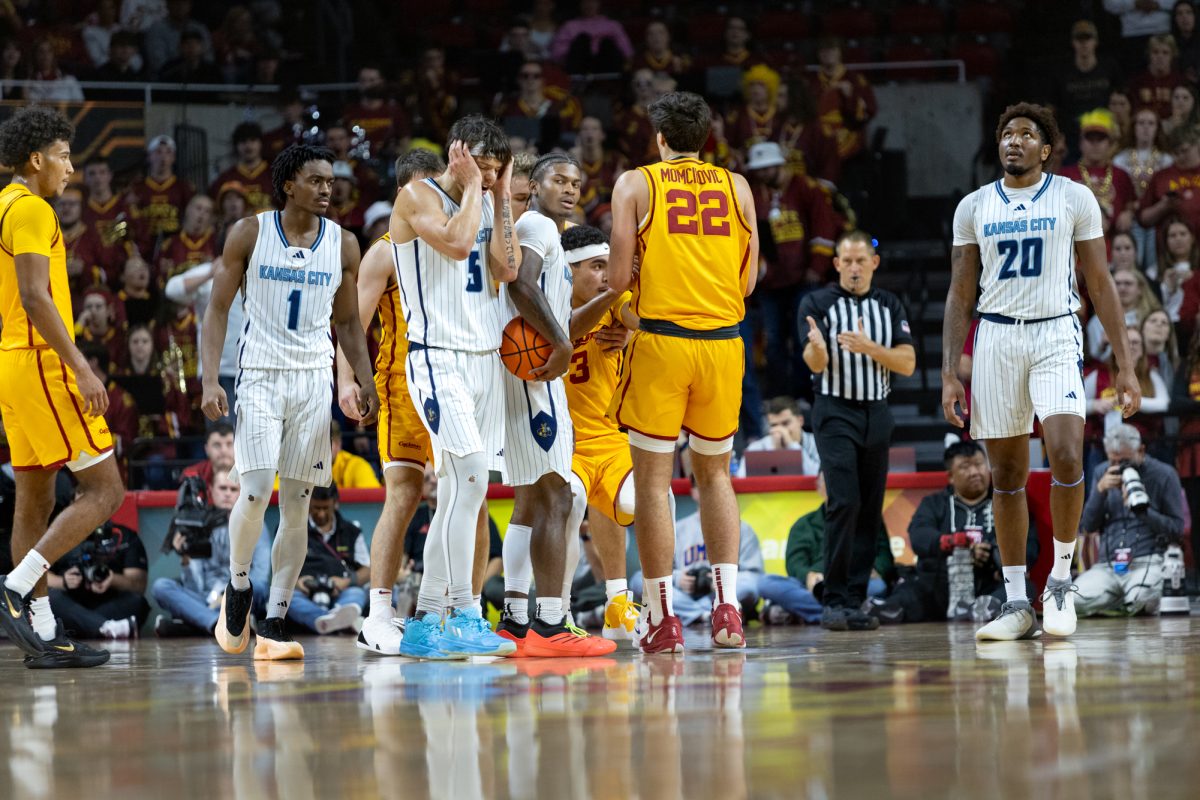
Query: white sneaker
[(1016, 621), (381, 636), (1058, 607), (338, 618)]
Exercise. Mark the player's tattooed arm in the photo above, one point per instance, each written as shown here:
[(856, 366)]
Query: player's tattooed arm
[(960, 301), (505, 261)]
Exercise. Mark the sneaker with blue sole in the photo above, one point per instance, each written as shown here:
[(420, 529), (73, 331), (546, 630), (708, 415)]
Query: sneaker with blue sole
[(467, 633), (423, 639)]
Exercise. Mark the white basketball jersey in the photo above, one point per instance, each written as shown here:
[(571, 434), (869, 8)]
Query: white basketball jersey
[(288, 298), (538, 233), (449, 303), (1026, 241)]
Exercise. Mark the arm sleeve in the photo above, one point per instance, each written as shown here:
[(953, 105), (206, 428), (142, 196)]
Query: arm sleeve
[(1088, 222), (926, 528), (33, 226), (964, 221)]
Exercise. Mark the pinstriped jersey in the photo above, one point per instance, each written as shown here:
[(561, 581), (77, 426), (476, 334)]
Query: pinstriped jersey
[(393, 330), (450, 303), (1026, 240), (538, 233), (288, 298)]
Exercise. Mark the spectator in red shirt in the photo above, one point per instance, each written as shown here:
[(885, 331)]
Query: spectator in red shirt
[(98, 324), (345, 207), (657, 55), (808, 147), (218, 454), (344, 147), (1175, 191), (845, 100), (600, 166), (758, 118), (122, 412), (1111, 185), (137, 300), (231, 206), (1154, 86), (635, 133), (291, 131), (381, 118), (110, 216), (194, 244), (161, 196), (251, 169), (537, 111), (86, 267), (437, 94)]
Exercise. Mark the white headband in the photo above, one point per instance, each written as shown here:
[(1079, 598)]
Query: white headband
[(586, 252)]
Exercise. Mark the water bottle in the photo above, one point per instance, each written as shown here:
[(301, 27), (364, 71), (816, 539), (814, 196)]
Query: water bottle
[(1174, 596), (961, 572)]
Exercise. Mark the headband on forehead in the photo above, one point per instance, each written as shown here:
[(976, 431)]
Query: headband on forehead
[(586, 252)]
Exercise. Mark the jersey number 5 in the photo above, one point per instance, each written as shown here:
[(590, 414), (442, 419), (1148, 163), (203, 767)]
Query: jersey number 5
[(1031, 257), (474, 274), (682, 207), (579, 368)]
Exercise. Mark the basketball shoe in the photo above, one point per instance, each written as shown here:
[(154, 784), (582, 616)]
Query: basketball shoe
[(380, 636), (15, 621), (620, 618), (563, 641), (423, 639), (1016, 621), (63, 652), (272, 642), (515, 632), (727, 627), (1058, 607), (467, 633), (233, 625), (665, 637)]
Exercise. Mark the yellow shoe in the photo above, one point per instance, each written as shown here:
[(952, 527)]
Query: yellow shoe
[(273, 644), (620, 617)]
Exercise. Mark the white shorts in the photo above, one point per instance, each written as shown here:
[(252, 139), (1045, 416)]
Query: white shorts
[(283, 420), (461, 401), (1025, 369), (538, 435)]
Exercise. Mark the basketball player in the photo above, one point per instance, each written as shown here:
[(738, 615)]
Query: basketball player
[(296, 271), (693, 226), (1017, 240), (448, 264), (538, 436), (522, 165), (51, 402), (402, 438), (601, 469)]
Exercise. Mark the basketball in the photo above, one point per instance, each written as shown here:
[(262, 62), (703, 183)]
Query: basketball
[(523, 348)]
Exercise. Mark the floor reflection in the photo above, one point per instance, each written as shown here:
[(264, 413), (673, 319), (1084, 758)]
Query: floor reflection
[(919, 712)]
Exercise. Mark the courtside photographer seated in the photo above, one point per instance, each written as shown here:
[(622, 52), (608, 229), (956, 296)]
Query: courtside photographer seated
[(97, 589), (1136, 506), (199, 535), (330, 595)]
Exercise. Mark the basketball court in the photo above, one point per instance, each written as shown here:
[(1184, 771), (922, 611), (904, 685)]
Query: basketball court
[(917, 711)]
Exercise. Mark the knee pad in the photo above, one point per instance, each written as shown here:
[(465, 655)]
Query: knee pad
[(293, 503), (469, 473), (710, 447), (256, 487), (626, 497)]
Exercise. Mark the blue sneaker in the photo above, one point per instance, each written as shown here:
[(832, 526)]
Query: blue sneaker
[(467, 633), (423, 639)]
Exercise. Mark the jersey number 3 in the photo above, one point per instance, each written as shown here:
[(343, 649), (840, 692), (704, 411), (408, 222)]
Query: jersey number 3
[(682, 207), (579, 368), (1031, 257)]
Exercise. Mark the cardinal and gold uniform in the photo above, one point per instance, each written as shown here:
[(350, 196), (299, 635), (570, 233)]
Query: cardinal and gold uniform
[(602, 460), (401, 435), (683, 369), (41, 406)]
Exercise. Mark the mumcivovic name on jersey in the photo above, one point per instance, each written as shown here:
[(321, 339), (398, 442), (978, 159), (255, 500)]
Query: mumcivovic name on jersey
[(294, 275), (1010, 226)]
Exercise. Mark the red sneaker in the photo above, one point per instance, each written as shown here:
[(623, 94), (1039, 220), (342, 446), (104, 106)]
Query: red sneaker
[(513, 631), (563, 641), (665, 637), (727, 627)]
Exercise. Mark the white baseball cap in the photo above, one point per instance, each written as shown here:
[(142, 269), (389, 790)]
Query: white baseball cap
[(162, 138), (764, 155), (375, 212)]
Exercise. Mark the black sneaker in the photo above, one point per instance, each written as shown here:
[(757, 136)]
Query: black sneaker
[(514, 631), (835, 618), (63, 652), (16, 623), (273, 642), (170, 628), (859, 620), (232, 629)]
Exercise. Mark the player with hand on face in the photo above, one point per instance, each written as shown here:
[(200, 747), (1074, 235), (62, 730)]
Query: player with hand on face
[(297, 273)]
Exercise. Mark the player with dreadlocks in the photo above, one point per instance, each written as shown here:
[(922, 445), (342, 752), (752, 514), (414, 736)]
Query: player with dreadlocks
[(542, 541), (296, 271)]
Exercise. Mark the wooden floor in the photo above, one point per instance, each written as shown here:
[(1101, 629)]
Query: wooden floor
[(914, 712)]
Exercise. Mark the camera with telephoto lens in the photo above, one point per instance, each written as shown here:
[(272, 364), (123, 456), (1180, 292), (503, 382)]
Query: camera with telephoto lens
[(321, 590), (1136, 498), (704, 583), (96, 554), (193, 519)]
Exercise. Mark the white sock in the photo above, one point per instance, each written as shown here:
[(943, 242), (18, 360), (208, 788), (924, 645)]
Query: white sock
[(550, 610), (724, 584), (1014, 583), (518, 609), (381, 605), (477, 599), (43, 618), (239, 575), (1064, 554), (278, 602), (615, 587), (115, 629), (656, 594), (26, 574)]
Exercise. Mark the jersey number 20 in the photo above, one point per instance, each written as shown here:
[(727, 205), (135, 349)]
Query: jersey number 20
[(713, 208), (1031, 257)]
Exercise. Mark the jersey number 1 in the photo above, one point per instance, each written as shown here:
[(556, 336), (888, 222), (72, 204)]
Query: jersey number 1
[(1031, 257), (293, 309)]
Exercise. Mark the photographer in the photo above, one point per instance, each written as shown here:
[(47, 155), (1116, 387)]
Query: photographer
[(1137, 508), (959, 516), (97, 588), (693, 573), (330, 594), (200, 537)]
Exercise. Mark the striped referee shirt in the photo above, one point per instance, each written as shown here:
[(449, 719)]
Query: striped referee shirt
[(855, 376)]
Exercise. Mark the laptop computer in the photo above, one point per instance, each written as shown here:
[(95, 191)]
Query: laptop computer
[(774, 462)]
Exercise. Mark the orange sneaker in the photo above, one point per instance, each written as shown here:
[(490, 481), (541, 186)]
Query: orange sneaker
[(727, 627), (515, 632), (563, 641), (273, 644)]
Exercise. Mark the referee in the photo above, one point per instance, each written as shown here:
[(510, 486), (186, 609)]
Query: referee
[(857, 337)]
